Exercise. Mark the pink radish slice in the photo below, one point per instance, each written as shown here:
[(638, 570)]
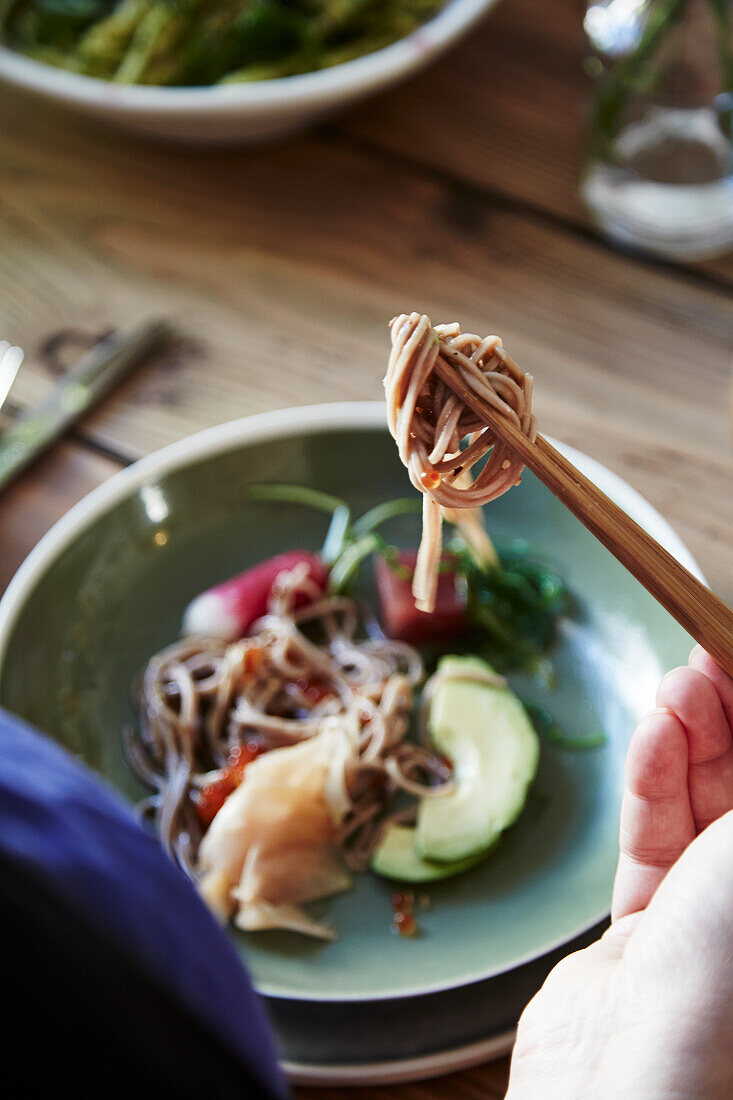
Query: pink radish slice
[(229, 610)]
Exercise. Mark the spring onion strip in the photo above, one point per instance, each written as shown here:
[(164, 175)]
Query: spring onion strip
[(297, 494), (337, 535), (348, 563), (378, 515)]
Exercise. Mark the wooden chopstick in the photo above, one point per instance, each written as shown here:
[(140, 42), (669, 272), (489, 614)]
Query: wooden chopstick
[(695, 607)]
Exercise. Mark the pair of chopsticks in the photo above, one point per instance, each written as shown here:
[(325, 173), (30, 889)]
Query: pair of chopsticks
[(702, 614), (103, 366)]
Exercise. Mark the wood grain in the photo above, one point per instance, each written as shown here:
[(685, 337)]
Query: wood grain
[(523, 137), (487, 1082), (283, 305)]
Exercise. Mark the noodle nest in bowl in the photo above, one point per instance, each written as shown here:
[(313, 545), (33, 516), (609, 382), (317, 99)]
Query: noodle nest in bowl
[(301, 673)]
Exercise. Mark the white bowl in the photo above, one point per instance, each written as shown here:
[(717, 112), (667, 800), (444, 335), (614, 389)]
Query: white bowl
[(244, 112)]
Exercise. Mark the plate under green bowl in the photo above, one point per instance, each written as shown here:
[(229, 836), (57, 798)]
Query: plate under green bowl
[(106, 588)]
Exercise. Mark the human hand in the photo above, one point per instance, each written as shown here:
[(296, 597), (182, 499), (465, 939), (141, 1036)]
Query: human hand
[(647, 1011)]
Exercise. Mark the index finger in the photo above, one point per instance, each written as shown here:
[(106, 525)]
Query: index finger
[(656, 817)]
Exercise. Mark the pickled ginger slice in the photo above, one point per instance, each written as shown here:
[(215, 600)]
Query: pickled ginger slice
[(272, 845)]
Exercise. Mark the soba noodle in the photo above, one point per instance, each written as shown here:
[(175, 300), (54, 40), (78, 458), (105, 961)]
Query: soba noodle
[(300, 672), (429, 422)]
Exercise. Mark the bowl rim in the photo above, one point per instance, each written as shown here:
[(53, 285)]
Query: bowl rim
[(400, 1071), (306, 90), (302, 420), (299, 419)]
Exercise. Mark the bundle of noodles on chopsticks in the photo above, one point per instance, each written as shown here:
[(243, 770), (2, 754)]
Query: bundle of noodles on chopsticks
[(430, 423)]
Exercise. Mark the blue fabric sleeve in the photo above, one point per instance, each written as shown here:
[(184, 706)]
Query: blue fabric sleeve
[(67, 826)]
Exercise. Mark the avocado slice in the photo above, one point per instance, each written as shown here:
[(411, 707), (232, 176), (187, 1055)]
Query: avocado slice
[(396, 857), (486, 733)]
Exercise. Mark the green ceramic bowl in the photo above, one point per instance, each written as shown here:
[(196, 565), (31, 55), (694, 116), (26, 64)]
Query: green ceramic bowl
[(106, 588)]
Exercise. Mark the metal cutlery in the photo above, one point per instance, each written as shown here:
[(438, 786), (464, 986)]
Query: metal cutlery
[(94, 375)]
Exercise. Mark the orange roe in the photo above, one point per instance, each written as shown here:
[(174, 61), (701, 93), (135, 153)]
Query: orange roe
[(314, 688), (430, 479), (404, 924), (403, 918), (252, 660), (211, 797)]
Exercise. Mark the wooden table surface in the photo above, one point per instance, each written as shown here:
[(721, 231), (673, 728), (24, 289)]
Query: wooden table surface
[(455, 195)]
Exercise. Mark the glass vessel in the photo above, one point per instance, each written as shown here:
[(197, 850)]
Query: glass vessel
[(659, 169)]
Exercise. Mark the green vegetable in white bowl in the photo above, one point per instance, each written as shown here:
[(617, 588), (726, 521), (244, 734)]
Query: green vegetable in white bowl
[(164, 77), (187, 43)]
